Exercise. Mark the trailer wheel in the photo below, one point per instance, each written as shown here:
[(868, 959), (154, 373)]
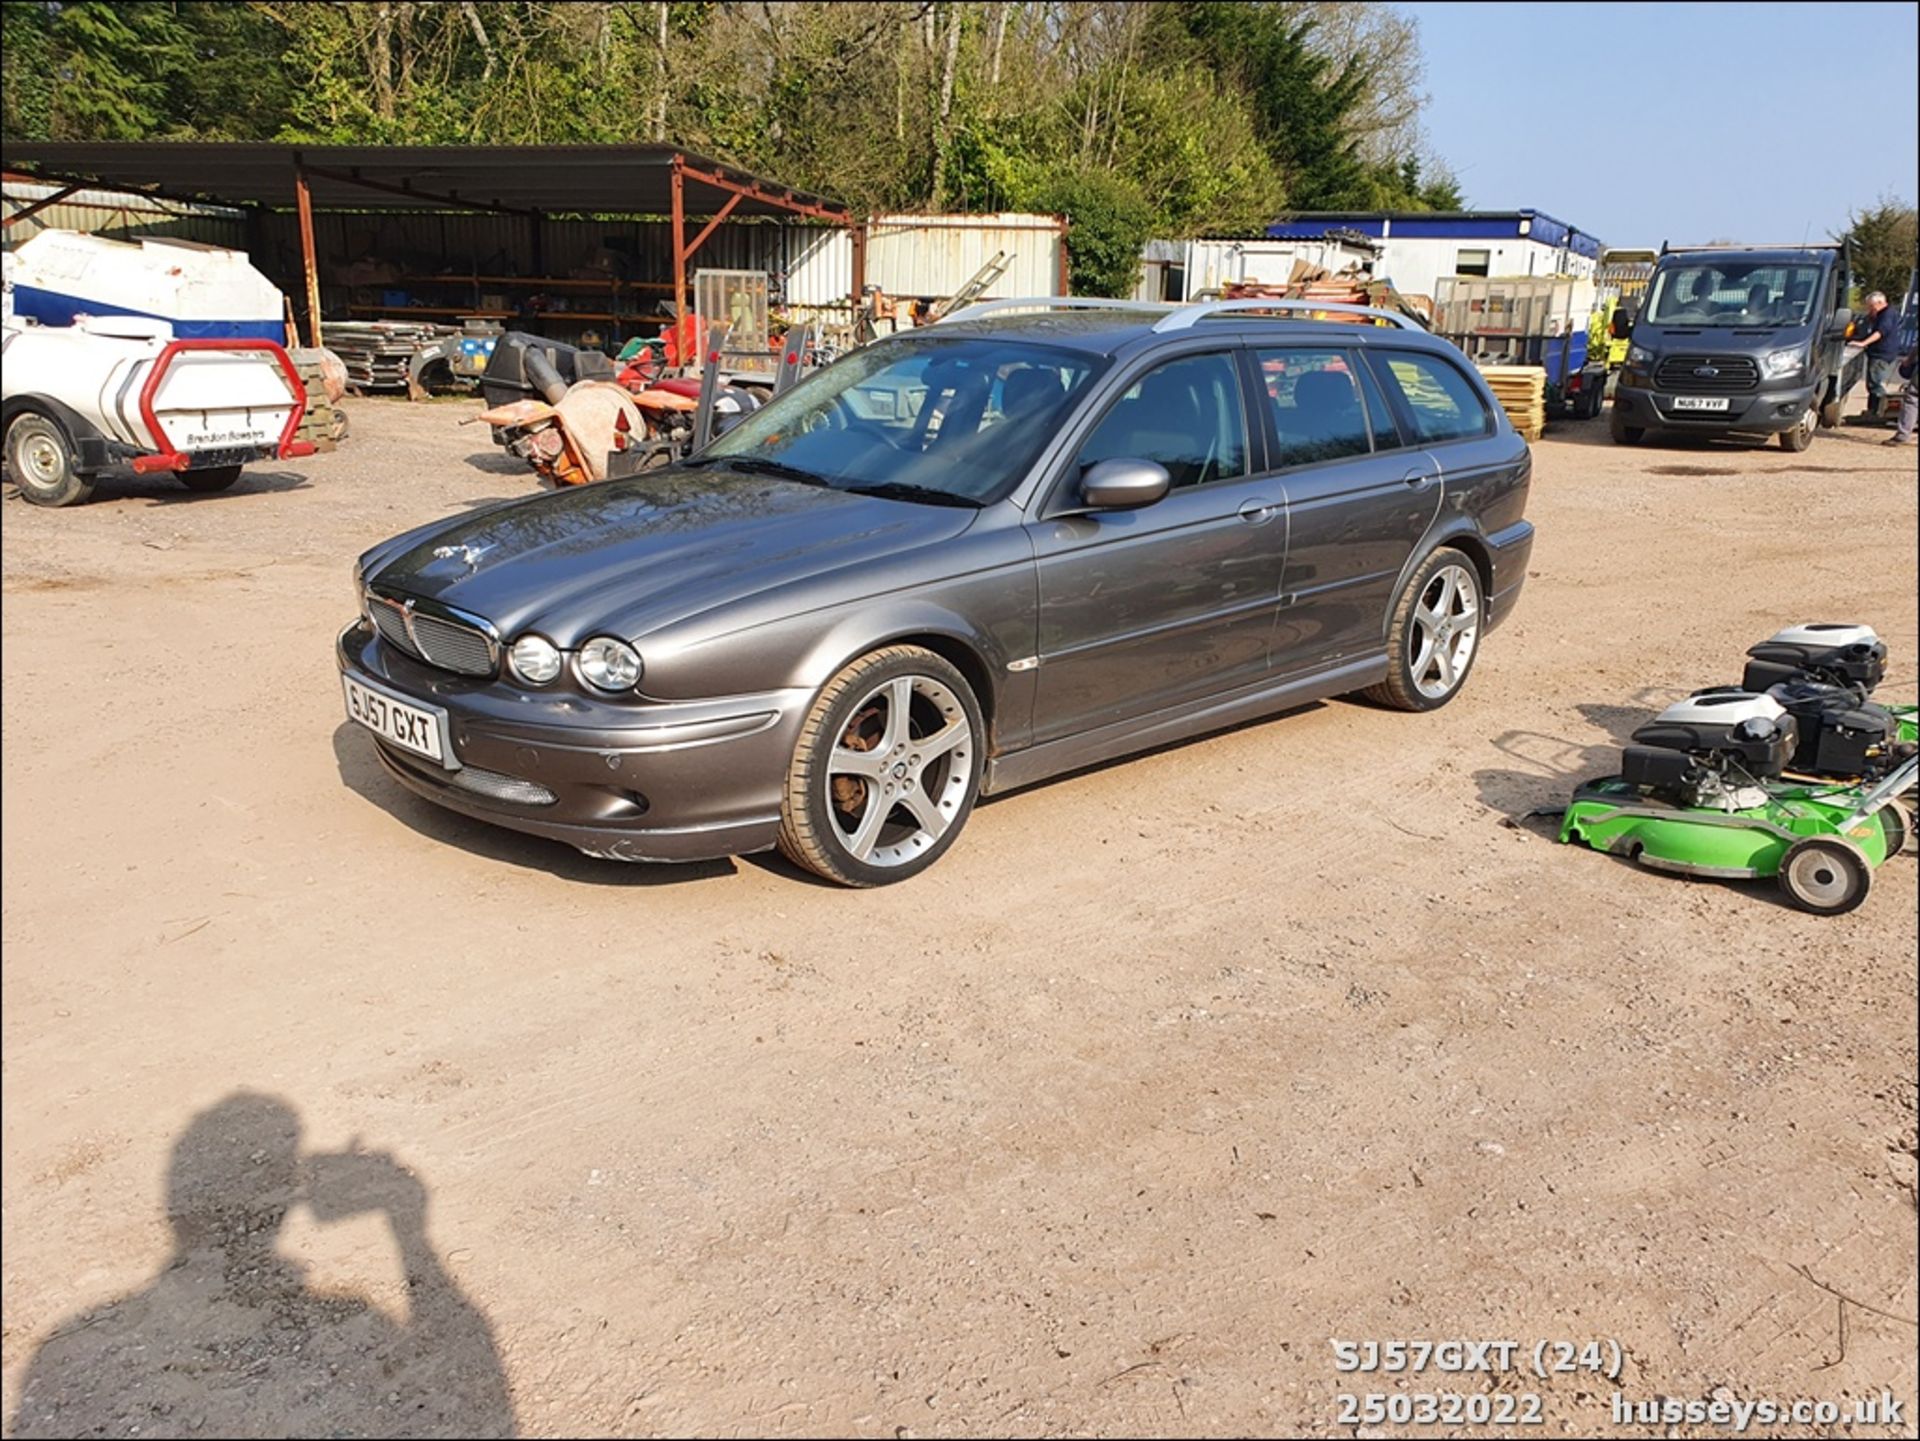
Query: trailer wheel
[(40, 460), (1825, 875), (206, 482)]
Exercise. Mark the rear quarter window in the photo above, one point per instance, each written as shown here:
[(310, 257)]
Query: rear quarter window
[(1442, 401)]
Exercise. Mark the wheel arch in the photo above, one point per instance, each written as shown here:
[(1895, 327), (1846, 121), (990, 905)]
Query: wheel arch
[(1465, 540), (952, 645), (77, 427)]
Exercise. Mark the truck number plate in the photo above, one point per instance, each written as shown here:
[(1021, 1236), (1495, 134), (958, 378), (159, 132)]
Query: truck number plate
[(1701, 402)]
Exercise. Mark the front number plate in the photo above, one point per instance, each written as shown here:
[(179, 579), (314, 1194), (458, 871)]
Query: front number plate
[(1702, 402), (411, 727)]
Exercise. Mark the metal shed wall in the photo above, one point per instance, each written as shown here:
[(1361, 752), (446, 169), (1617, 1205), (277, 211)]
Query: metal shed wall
[(119, 216), (930, 256)]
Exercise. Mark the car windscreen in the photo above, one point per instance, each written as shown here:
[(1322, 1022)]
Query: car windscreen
[(939, 418), (1728, 292)]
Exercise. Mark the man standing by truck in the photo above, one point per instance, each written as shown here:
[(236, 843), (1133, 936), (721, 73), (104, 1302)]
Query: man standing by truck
[(1882, 342)]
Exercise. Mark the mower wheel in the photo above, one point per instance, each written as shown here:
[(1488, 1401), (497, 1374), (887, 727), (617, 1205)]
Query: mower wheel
[(1825, 875), (1897, 825), (1624, 434)]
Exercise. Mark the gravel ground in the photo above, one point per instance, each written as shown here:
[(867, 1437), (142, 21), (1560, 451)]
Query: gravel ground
[(327, 1113)]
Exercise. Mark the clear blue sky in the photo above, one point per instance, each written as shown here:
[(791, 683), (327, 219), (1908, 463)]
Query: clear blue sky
[(1685, 122)]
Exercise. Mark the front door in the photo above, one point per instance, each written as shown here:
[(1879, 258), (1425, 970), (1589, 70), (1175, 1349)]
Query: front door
[(1145, 609)]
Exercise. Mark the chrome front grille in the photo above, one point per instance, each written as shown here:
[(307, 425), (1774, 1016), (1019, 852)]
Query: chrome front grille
[(1707, 374), (435, 634)]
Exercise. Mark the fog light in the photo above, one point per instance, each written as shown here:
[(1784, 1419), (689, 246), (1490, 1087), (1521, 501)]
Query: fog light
[(535, 659), (610, 664)]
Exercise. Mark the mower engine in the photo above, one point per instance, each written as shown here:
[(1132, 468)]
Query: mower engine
[(1822, 675), (1712, 751)]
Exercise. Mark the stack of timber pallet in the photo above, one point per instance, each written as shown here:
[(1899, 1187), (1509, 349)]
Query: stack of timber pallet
[(322, 424), (1522, 393)]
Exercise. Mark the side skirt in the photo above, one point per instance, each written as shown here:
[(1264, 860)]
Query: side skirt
[(1037, 763)]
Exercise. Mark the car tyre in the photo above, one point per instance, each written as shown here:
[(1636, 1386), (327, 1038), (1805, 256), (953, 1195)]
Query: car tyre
[(1624, 434), (1435, 636), (886, 769), (41, 461), (206, 482), (1825, 875)]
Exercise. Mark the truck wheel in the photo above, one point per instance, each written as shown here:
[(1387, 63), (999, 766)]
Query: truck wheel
[(206, 482), (1825, 875), (1801, 436), (40, 459), (1624, 434)]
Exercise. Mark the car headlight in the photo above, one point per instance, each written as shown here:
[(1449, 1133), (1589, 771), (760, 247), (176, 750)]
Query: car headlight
[(610, 664), (535, 659), (1639, 355), (1781, 363)]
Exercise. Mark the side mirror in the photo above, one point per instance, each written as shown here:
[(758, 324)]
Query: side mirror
[(1123, 484), (1837, 327), (1621, 326)]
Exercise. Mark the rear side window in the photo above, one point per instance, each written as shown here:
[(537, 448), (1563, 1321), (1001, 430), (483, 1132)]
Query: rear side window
[(1185, 414), (1318, 409), (1443, 403)]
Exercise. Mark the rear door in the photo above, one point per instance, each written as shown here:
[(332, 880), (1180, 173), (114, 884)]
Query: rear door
[(1145, 609), (1359, 498)]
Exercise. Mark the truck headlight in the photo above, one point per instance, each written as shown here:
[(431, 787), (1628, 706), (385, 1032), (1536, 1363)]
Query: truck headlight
[(610, 664), (1639, 356), (535, 659), (1781, 363)]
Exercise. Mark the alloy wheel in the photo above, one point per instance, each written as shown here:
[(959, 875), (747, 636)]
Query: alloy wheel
[(899, 772), (1446, 628)]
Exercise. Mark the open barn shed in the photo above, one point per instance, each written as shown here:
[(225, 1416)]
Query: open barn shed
[(575, 239)]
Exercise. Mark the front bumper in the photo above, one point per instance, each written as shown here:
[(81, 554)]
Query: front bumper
[(644, 781), (1767, 411)]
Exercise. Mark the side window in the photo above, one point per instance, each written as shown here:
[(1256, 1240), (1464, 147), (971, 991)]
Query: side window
[(1317, 409), (1185, 414), (1473, 262), (1443, 404), (1386, 435)]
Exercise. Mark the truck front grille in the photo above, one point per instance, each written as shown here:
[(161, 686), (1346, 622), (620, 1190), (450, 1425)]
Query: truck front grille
[(1707, 374)]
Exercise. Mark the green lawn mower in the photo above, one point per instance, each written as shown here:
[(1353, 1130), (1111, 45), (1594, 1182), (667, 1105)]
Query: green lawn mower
[(1795, 774)]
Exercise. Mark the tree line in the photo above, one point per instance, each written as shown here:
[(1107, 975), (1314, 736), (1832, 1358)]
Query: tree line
[(1175, 118)]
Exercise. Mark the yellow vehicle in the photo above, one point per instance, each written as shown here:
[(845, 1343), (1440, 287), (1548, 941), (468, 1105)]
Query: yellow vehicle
[(1623, 276)]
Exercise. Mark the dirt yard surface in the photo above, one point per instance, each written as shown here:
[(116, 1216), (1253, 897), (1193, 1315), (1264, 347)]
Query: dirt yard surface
[(327, 1113)]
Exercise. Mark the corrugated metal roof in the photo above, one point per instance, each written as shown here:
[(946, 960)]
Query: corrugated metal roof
[(552, 179)]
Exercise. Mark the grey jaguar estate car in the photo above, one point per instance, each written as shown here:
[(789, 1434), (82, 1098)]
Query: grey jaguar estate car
[(1031, 538)]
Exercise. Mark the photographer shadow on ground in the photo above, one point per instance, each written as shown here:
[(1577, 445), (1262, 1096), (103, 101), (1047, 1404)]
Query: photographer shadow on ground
[(230, 1340)]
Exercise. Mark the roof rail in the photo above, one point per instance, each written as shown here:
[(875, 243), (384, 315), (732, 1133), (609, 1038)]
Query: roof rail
[(1758, 245), (1189, 315), (1046, 302)]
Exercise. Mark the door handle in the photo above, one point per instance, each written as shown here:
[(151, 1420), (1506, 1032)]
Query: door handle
[(1416, 478), (1255, 511)]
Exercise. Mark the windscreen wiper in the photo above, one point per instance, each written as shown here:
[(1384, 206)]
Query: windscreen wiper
[(905, 490), (760, 465)]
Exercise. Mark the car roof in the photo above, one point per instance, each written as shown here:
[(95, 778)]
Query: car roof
[(1106, 332)]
